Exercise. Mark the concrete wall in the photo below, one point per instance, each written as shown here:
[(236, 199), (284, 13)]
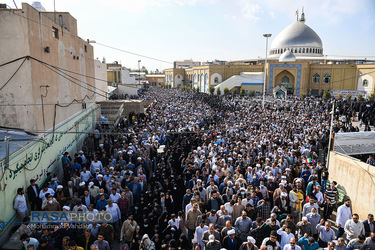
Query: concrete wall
[(357, 179), (128, 89), (29, 32), (101, 80)]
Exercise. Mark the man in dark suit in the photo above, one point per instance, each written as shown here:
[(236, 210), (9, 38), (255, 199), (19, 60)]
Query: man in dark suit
[(369, 225), (282, 203), (33, 196), (192, 182), (86, 240), (87, 199)]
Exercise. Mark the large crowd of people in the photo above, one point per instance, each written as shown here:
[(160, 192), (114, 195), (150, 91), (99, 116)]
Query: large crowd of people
[(204, 172)]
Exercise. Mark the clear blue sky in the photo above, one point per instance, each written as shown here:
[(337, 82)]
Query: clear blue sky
[(213, 29)]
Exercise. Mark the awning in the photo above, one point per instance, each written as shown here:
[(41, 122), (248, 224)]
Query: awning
[(111, 89)]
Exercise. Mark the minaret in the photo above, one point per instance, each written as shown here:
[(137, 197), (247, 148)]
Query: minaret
[(303, 19)]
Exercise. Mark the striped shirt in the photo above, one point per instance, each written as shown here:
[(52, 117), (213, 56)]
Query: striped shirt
[(331, 194)]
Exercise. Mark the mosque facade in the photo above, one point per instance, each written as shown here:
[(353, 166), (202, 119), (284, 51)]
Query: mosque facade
[(296, 65)]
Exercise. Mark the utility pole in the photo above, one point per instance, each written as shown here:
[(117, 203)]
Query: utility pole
[(139, 72), (265, 70)]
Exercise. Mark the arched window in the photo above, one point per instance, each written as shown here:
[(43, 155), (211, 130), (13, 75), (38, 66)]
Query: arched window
[(327, 78), (365, 83), (303, 50), (285, 79), (216, 80), (316, 78), (300, 50)]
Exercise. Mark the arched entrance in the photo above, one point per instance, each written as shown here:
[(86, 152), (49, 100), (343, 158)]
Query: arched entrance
[(285, 81)]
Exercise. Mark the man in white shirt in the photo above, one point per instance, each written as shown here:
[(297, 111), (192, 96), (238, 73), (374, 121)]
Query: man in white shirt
[(113, 209), (344, 213), (199, 230), (354, 227), (292, 245), (44, 191), (80, 206), (85, 175), (95, 164), (27, 241), (114, 195), (20, 203), (285, 235)]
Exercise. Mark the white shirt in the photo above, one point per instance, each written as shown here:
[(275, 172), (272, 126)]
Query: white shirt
[(344, 213), (42, 194), (174, 223), (319, 197), (198, 234), (115, 197), (285, 238), (83, 207), (115, 210), (289, 247), (85, 176), (20, 204), (229, 208)]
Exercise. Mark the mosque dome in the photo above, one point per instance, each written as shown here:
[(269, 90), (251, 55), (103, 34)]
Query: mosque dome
[(287, 56), (299, 39)]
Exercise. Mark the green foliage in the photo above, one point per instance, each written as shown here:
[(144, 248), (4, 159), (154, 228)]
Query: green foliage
[(235, 91), (371, 97), (327, 95), (226, 91), (212, 89), (218, 91), (242, 91)]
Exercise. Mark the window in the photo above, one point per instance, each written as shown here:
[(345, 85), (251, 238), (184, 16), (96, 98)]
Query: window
[(285, 79), (316, 78), (55, 32), (115, 76), (85, 48), (327, 78), (119, 76), (216, 80), (365, 83)]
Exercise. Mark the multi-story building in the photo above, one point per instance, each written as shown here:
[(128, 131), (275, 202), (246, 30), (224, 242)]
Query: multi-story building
[(296, 65)]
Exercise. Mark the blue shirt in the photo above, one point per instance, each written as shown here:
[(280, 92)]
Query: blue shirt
[(305, 242), (100, 204)]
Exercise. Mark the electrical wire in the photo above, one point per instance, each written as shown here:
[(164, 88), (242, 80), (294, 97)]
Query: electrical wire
[(13, 74), (129, 52), (59, 69), (48, 67), (132, 53)]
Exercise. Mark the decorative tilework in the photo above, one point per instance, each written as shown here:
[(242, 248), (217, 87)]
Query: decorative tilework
[(299, 72)]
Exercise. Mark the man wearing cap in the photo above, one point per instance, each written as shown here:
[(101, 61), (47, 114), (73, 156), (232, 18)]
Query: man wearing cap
[(211, 231), (93, 190), (243, 226), (212, 243), (232, 241)]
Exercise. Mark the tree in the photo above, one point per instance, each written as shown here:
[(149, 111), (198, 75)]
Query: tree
[(349, 97), (360, 98), (235, 91), (339, 96), (242, 91), (327, 95), (226, 91), (371, 96), (218, 91), (212, 89)]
